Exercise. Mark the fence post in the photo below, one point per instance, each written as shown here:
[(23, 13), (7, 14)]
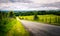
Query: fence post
[(57, 19), (46, 20), (50, 20)]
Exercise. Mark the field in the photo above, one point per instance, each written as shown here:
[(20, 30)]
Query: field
[(50, 19), (12, 27)]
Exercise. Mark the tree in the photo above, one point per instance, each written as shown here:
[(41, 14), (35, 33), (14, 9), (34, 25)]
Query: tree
[(0, 15), (35, 16), (11, 14)]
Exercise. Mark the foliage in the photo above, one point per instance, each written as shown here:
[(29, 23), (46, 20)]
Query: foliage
[(9, 26), (11, 14), (42, 12), (35, 16), (17, 30)]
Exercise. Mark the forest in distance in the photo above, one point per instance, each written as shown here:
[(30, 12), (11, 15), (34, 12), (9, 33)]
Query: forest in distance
[(42, 12)]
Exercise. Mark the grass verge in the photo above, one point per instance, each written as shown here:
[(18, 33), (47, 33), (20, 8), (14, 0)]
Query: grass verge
[(13, 28)]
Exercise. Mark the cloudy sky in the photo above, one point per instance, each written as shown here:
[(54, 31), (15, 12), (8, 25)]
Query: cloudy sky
[(29, 4)]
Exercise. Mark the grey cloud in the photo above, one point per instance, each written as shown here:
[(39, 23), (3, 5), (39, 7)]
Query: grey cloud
[(35, 5), (3, 1), (23, 1), (56, 4)]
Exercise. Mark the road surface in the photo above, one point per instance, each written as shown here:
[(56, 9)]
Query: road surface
[(40, 29)]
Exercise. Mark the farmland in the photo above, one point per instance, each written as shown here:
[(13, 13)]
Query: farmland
[(51, 19)]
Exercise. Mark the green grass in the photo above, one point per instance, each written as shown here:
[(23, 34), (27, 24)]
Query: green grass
[(12, 27), (50, 19)]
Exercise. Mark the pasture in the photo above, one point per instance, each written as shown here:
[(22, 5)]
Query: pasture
[(50, 19)]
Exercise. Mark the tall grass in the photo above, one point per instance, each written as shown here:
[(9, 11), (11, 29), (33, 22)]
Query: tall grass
[(18, 30), (6, 24), (12, 27), (9, 26)]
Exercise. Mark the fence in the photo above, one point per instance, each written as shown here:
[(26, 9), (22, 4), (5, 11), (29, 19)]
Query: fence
[(50, 20)]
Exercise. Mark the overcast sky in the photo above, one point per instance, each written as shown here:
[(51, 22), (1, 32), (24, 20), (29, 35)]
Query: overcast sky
[(29, 4)]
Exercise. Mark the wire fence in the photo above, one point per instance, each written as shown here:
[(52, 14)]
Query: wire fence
[(50, 20)]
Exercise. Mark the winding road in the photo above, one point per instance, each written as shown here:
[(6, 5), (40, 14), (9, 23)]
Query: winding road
[(40, 29)]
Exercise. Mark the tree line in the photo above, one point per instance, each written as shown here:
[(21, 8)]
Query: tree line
[(6, 14), (27, 13)]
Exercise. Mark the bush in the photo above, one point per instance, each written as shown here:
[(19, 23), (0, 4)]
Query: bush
[(35, 17), (11, 14)]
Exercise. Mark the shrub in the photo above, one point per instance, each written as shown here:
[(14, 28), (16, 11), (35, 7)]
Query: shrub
[(35, 17)]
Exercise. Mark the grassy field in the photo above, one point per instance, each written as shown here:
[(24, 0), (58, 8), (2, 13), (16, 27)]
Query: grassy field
[(50, 19), (12, 27)]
